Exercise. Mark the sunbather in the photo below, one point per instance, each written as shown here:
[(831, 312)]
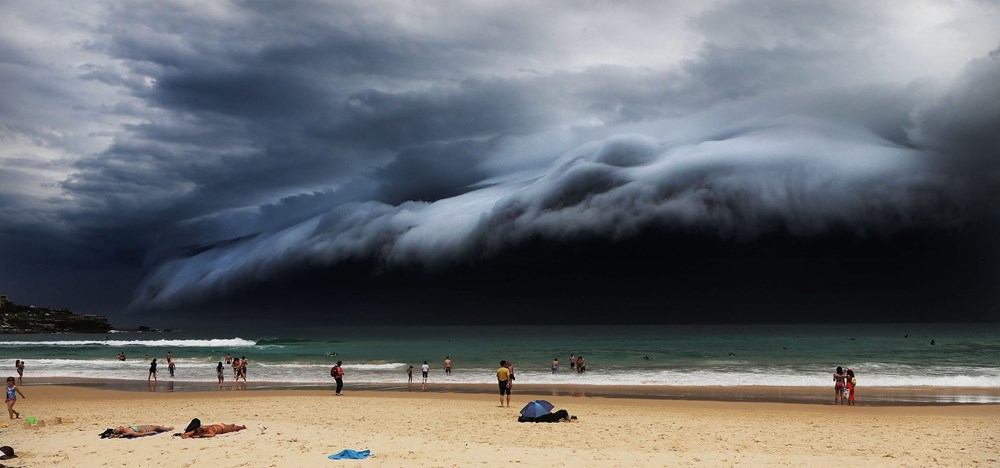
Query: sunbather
[(212, 430), (139, 430)]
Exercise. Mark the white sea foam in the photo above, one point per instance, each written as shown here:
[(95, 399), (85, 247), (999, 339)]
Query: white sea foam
[(203, 369), (222, 343)]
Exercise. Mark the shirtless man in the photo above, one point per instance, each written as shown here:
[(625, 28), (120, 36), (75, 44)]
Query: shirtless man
[(212, 431), (447, 365)]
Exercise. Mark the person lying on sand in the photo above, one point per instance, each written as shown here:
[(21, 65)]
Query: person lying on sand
[(139, 430), (212, 430)]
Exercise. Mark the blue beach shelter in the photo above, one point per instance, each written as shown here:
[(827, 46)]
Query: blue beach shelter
[(536, 408)]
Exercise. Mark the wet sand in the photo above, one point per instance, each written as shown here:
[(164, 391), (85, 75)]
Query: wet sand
[(868, 396)]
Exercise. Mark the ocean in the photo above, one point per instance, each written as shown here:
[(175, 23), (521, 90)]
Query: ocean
[(882, 355)]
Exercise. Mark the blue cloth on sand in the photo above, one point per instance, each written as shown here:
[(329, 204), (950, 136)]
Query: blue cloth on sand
[(348, 454)]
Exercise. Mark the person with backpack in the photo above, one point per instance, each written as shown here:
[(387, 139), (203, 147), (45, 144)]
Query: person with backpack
[(337, 372)]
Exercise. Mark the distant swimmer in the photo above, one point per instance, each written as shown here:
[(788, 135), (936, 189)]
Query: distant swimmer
[(932, 343), (646, 357), (732, 353), (331, 354)]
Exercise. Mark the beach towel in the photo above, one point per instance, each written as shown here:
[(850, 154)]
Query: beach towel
[(348, 454)]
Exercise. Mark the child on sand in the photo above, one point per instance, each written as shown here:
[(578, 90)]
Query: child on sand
[(12, 392)]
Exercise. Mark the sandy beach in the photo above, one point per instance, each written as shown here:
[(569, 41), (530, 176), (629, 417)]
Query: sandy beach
[(466, 429)]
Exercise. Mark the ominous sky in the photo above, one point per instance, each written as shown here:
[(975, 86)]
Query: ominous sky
[(481, 161)]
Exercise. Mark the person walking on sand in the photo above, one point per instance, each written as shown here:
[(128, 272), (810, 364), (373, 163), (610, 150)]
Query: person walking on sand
[(218, 372), (12, 393), (152, 370), (424, 369), (20, 371), (838, 385), (338, 374), (503, 381), (447, 365)]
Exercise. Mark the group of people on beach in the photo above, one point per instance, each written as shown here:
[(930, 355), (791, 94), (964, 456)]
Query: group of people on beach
[(239, 366), (425, 370), (195, 430), (844, 383)]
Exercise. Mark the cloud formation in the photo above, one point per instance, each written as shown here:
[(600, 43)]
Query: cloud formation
[(219, 147)]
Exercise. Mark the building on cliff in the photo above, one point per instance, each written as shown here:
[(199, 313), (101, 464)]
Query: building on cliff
[(4, 299)]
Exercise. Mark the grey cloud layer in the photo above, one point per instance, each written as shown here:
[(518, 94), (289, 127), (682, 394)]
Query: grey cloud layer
[(244, 140)]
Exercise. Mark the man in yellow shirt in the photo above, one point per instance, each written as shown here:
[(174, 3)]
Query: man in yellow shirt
[(503, 380)]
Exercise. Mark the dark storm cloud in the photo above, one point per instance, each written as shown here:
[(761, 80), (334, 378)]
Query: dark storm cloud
[(252, 141)]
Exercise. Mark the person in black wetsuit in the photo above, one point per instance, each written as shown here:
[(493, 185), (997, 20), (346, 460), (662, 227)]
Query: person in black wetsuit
[(152, 370)]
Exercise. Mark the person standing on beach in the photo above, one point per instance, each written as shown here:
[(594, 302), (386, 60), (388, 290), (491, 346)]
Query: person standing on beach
[(510, 367), (838, 385), (851, 382), (152, 370), (12, 392), (409, 378), (503, 381), (338, 374), (447, 365), (218, 372), (424, 369), (555, 365), (20, 371), (170, 367)]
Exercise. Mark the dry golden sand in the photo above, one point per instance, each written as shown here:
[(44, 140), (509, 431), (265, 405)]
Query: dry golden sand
[(454, 429)]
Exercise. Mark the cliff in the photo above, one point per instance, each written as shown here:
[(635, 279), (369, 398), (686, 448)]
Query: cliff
[(16, 318)]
